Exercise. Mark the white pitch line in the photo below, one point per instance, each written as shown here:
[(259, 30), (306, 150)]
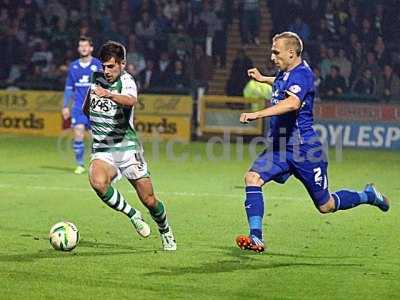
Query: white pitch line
[(239, 195)]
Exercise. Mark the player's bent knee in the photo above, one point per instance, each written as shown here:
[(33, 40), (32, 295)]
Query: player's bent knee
[(323, 210), (328, 207), (149, 200), (253, 179), (100, 185), (79, 132), (79, 135)]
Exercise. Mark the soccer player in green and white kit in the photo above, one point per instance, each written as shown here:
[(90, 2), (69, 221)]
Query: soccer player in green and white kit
[(116, 149)]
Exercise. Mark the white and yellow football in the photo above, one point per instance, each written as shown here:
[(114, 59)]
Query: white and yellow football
[(64, 236)]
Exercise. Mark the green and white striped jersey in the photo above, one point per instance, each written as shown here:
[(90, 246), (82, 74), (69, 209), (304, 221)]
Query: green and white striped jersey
[(112, 123)]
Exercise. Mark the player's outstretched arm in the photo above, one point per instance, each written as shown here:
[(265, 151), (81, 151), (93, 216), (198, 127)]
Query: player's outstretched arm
[(126, 100), (291, 103), (256, 75)]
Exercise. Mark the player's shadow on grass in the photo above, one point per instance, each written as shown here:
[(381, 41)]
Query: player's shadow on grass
[(58, 168), (228, 266), (27, 173), (237, 253), (101, 245), (235, 265), (85, 243), (103, 249), (31, 257), (246, 260)]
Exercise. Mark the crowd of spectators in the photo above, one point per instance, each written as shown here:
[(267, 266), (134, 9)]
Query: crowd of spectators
[(353, 46), (174, 45), (39, 38)]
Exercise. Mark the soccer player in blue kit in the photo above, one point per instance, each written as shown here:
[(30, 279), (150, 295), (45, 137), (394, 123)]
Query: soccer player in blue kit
[(294, 145), (76, 86)]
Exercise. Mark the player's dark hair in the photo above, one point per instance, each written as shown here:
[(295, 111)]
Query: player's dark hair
[(84, 38), (112, 49), (292, 40)]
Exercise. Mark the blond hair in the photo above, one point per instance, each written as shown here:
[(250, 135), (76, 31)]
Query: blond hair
[(292, 41)]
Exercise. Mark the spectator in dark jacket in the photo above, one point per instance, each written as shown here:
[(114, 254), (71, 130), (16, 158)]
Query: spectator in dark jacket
[(165, 67), (238, 77), (366, 84), (178, 79), (149, 77), (335, 83), (388, 86)]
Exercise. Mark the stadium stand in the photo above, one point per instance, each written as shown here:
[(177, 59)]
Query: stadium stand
[(347, 40)]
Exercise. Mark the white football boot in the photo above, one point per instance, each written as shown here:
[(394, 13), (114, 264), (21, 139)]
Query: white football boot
[(168, 240), (142, 228)]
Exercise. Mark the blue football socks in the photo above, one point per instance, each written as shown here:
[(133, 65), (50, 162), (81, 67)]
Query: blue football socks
[(79, 149), (254, 206), (346, 199)]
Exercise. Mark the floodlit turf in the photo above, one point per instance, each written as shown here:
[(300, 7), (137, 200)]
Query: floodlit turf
[(348, 255)]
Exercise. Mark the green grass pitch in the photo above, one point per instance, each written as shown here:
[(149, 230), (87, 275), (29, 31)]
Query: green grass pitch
[(348, 255)]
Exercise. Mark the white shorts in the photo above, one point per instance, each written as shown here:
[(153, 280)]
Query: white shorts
[(130, 164)]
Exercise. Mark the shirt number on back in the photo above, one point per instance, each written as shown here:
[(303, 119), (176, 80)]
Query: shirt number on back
[(317, 176)]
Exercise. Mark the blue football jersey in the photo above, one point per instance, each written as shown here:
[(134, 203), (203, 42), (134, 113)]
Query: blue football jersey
[(78, 79), (296, 126)]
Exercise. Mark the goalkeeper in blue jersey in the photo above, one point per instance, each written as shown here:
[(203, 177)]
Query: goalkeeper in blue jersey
[(294, 148), (76, 86)]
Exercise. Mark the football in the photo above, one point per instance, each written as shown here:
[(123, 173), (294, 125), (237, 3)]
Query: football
[(64, 236)]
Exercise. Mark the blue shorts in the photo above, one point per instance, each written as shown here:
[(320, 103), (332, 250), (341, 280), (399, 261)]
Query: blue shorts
[(78, 117), (306, 162)]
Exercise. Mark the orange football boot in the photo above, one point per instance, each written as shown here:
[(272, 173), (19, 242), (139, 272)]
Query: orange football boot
[(245, 242)]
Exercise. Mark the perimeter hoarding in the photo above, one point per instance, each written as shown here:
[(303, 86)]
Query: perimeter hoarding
[(38, 113), (358, 124), (220, 114), (30, 112)]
